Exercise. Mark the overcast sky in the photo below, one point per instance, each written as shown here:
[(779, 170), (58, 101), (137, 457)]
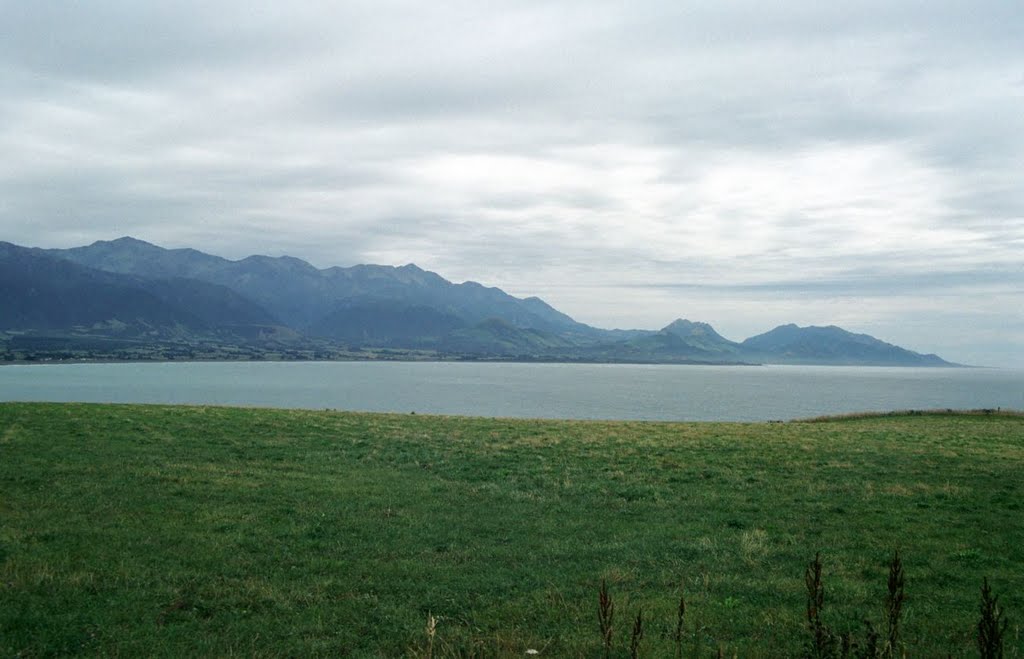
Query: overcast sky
[(630, 163)]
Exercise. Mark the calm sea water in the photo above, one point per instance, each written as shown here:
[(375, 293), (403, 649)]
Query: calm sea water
[(572, 391)]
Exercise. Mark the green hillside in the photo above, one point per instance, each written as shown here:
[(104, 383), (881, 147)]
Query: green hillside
[(177, 531)]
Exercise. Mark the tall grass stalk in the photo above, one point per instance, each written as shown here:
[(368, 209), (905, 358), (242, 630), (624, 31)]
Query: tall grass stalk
[(431, 632)]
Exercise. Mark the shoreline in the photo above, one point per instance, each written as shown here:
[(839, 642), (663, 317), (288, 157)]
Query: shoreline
[(483, 360)]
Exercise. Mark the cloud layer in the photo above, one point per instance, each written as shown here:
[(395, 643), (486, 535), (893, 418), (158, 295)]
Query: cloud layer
[(628, 163)]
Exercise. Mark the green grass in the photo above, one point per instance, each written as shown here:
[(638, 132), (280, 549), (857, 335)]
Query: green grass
[(185, 531)]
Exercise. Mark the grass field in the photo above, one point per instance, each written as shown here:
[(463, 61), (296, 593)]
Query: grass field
[(197, 531)]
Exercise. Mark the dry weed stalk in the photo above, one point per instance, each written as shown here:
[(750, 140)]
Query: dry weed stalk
[(894, 605), (638, 634), (820, 636), (991, 626), (680, 625), (605, 617)]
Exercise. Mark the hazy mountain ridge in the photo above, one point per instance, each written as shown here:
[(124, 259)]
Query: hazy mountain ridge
[(301, 296), (43, 292), (133, 285), (40, 292)]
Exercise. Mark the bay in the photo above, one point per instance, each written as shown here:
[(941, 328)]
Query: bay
[(563, 391)]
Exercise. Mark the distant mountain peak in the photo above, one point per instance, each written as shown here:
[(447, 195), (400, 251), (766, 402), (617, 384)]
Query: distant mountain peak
[(683, 336), (124, 242), (685, 323), (688, 328)]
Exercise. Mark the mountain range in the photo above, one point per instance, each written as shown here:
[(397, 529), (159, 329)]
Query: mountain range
[(102, 299)]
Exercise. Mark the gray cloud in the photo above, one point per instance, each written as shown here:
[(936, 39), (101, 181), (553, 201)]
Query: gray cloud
[(724, 161)]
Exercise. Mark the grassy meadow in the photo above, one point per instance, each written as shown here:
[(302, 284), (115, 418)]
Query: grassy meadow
[(132, 530)]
